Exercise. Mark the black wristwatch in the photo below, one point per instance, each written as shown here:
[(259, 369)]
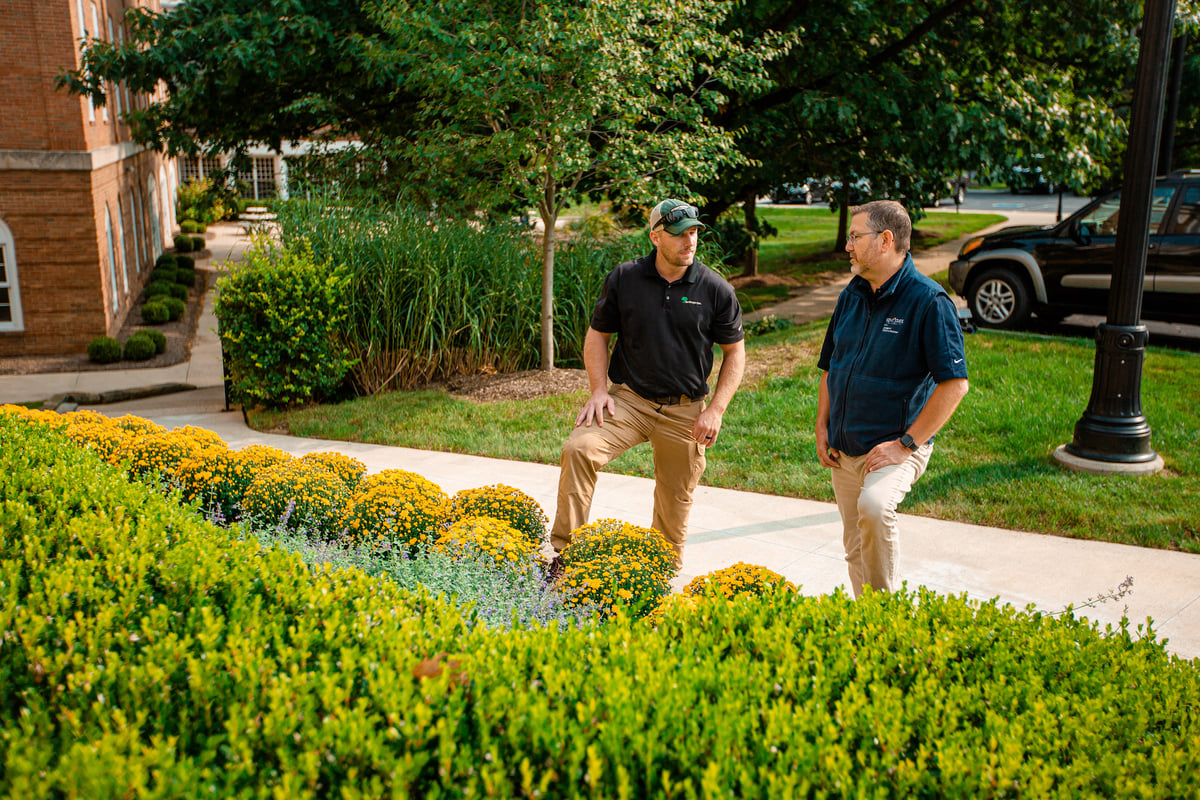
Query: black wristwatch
[(908, 442)]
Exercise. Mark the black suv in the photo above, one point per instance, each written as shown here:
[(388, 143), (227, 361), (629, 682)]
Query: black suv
[(1066, 268)]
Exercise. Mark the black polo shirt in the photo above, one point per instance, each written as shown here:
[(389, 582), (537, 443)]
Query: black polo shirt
[(665, 332)]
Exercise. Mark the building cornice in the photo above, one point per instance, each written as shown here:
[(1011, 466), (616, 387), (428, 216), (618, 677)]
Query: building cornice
[(68, 160)]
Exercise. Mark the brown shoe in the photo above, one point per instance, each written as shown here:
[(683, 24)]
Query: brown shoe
[(554, 570)]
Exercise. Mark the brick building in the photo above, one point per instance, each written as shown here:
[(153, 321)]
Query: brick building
[(84, 211)]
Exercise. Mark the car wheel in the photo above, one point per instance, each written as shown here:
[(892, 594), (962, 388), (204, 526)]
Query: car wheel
[(999, 299), (960, 195), (808, 198)]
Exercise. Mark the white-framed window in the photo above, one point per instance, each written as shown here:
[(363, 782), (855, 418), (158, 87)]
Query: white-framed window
[(83, 41), (134, 234), (116, 90), (112, 259), (156, 238), (96, 33), (10, 291), (121, 247), (194, 169)]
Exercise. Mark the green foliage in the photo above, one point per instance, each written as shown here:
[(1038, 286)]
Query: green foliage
[(206, 201), (489, 541), (395, 509), (249, 674), (610, 563), (185, 276), (197, 243), (175, 307), (165, 274), (158, 288), (298, 496), (157, 337), (166, 260), (177, 290), (192, 226), (740, 579), (281, 315), (138, 348), (183, 243), (501, 502), (156, 312), (185, 263), (768, 324), (104, 350)]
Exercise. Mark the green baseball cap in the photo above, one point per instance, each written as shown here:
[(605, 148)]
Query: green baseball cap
[(675, 217)]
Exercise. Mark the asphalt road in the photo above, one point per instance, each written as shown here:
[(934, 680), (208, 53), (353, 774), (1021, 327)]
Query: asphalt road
[(999, 202)]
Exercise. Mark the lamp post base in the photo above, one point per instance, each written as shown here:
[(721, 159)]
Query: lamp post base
[(1080, 464)]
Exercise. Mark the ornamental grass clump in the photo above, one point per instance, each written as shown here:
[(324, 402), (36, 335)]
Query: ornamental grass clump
[(297, 496), (504, 503), (488, 540), (397, 507), (738, 580), (349, 470)]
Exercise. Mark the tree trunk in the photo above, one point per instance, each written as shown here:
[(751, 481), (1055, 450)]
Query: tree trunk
[(549, 220), (843, 216), (750, 260)]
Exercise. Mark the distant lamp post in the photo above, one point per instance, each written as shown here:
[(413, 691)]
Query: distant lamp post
[(1113, 436)]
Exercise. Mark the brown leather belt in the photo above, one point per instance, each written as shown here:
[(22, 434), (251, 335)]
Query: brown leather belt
[(675, 400)]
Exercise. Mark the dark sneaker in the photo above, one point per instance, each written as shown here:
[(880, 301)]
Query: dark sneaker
[(554, 570)]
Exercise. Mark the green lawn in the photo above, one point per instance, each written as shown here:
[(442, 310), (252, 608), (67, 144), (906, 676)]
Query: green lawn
[(992, 464)]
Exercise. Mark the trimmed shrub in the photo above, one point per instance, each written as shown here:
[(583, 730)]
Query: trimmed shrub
[(185, 277), (138, 348), (395, 507), (183, 243), (197, 243), (297, 496), (104, 350), (280, 314), (208, 665), (190, 226), (157, 455), (158, 288), (177, 291), (610, 563), (165, 260), (185, 262), (106, 439), (501, 502), (158, 337), (486, 540), (164, 274), (175, 307), (156, 312)]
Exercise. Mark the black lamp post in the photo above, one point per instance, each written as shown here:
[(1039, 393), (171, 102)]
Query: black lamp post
[(1113, 435)]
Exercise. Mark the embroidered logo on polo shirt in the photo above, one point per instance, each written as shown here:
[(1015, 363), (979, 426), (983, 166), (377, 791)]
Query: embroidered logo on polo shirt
[(893, 324), (687, 302)]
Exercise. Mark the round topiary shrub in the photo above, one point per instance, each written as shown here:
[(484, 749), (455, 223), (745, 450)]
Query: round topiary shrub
[(158, 337), (739, 580), (610, 563), (489, 541), (138, 348), (165, 260), (183, 243), (189, 226), (156, 312), (164, 274), (185, 277), (104, 350), (158, 289), (158, 453), (397, 507), (197, 243), (297, 496), (176, 290), (185, 262), (504, 503), (175, 307)]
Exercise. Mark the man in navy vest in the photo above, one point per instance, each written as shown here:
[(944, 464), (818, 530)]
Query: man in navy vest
[(893, 372)]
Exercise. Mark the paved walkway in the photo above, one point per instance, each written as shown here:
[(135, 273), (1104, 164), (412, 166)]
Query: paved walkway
[(800, 539)]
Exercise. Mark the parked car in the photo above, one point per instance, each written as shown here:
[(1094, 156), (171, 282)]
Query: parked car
[(806, 192), (1066, 268)]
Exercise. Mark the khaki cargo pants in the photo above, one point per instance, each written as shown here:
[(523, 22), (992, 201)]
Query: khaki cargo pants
[(678, 463)]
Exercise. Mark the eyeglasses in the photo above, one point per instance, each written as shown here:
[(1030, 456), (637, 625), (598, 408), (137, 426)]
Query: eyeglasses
[(852, 238), (676, 214)]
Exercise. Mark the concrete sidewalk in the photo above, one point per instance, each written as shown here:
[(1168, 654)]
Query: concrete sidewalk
[(801, 539)]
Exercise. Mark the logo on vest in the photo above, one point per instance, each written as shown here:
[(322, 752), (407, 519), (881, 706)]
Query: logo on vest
[(687, 302), (893, 324)]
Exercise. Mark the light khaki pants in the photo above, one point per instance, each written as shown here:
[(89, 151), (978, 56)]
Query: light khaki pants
[(867, 502), (678, 464)]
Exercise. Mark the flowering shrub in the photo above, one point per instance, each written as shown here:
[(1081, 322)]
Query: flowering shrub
[(105, 438), (205, 437), (157, 453), (217, 478), (501, 502), (612, 579), (740, 579), (51, 418), (489, 539), (395, 506), (137, 425), (350, 470), (296, 496), (612, 537)]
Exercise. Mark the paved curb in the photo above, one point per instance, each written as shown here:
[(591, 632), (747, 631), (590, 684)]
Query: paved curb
[(69, 401)]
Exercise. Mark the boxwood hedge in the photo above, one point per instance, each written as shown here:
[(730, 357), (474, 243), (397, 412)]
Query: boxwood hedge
[(145, 653)]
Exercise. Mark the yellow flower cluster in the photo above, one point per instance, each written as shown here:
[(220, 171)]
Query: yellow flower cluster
[(486, 539), (501, 502), (300, 495), (395, 506), (160, 453), (349, 470), (740, 579), (610, 580), (217, 477), (612, 537)]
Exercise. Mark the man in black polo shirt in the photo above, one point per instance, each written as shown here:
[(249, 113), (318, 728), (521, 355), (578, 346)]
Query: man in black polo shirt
[(666, 311)]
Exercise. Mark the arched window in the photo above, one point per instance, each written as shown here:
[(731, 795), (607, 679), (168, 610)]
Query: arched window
[(83, 35), (96, 34), (121, 246), (10, 294), (156, 237), (112, 259), (133, 232), (112, 37)]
